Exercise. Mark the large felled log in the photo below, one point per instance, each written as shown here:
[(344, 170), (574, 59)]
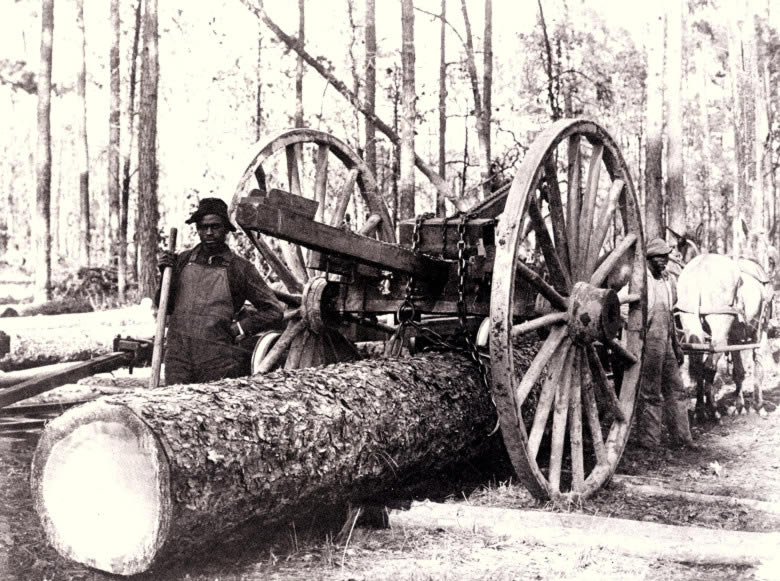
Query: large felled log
[(125, 482)]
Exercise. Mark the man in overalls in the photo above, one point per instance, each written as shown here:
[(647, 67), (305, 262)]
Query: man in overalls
[(209, 288), (662, 391)]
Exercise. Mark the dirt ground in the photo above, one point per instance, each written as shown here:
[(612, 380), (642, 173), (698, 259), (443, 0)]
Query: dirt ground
[(738, 458)]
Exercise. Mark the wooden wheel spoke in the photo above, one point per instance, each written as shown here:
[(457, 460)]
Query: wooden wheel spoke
[(559, 421), (592, 414), (575, 427), (293, 256), (630, 299), (293, 174), (546, 397), (613, 260), (573, 197), (260, 177), (619, 350), (602, 224), (542, 287), (370, 226), (557, 215), (542, 358), (552, 407), (586, 217), (558, 273), (321, 180), (293, 329), (605, 386), (280, 268), (342, 202), (538, 323)]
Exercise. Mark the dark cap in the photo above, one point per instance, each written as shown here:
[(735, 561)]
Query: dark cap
[(209, 206), (657, 247)]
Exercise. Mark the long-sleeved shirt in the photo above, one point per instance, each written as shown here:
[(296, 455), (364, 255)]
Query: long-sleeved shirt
[(245, 284)]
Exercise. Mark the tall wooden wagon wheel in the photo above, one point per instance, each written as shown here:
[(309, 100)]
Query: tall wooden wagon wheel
[(570, 234), (315, 165)]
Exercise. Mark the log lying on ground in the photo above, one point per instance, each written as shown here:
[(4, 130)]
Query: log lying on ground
[(645, 489), (43, 340), (694, 545), (124, 483)]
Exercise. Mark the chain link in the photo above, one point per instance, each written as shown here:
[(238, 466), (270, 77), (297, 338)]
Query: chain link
[(471, 347), (407, 307)]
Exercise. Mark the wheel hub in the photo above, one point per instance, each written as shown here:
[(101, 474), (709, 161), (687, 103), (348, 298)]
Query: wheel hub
[(594, 313)]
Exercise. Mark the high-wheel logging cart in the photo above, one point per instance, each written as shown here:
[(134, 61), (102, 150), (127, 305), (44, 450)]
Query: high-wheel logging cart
[(543, 284)]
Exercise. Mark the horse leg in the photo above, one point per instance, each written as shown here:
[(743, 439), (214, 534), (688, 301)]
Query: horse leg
[(739, 380), (760, 357), (696, 372), (710, 391)]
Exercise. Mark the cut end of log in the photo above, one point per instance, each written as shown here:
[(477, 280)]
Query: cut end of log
[(100, 484)]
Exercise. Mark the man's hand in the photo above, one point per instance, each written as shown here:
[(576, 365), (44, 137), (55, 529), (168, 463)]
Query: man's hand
[(166, 259)]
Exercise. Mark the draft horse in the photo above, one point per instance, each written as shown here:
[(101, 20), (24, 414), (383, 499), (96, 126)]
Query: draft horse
[(724, 305)]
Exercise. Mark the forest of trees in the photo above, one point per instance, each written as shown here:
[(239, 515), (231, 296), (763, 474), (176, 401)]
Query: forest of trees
[(118, 116)]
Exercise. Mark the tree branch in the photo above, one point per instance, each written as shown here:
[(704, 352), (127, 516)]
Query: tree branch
[(326, 72)]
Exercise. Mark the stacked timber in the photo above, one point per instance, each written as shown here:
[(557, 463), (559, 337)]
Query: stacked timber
[(125, 483)]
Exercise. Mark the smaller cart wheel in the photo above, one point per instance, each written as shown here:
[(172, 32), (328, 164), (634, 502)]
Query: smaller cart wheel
[(569, 267), (316, 165)]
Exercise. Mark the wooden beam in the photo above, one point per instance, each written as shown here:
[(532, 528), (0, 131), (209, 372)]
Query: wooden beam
[(281, 223), (49, 381)]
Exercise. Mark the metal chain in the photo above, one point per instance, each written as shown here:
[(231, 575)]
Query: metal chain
[(471, 347), (405, 313)]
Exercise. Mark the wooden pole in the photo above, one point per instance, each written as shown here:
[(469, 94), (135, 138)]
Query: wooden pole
[(647, 540), (162, 315)]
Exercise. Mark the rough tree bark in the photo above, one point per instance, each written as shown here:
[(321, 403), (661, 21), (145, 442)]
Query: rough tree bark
[(148, 211), (654, 221), (441, 209), (174, 469), (299, 70), (42, 217), (82, 148), (487, 89), (114, 184), (125, 202), (370, 86), (482, 117), (675, 54), (408, 112), (741, 46)]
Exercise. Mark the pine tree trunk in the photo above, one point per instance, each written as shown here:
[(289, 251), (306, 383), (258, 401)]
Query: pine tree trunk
[(479, 111), (148, 211), (83, 141), (42, 217), (654, 221), (441, 209), (408, 112), (179, 468), (742, 63), (370, 86), (114, 120), (299, 70), (125, 202), (487, 90), (675, 186)]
